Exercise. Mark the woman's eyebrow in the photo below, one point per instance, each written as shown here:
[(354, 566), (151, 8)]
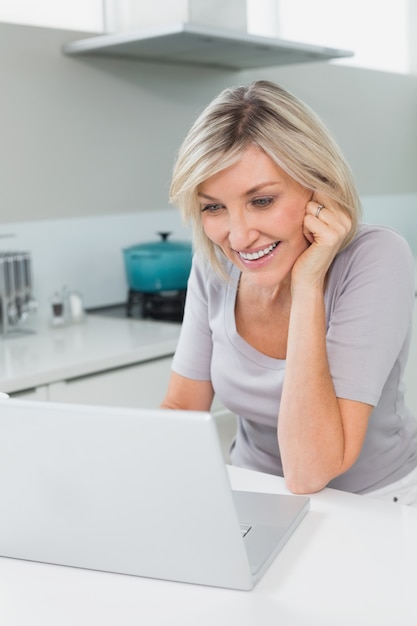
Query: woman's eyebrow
[(204, 195), (246, 193), (262, 185)]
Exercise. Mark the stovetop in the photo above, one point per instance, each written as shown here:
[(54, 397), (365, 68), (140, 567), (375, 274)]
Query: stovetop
[(119, 311), (167, 306)]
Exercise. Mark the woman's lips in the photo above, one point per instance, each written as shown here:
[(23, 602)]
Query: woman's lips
[(259, 254)]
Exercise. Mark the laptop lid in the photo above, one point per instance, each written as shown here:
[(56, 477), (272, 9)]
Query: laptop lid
[(132, 491)]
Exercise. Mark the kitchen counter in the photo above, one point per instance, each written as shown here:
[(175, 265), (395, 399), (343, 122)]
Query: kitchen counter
[(53, 354)]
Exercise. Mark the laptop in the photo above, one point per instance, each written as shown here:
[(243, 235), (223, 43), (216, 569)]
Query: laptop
[(133, 491)]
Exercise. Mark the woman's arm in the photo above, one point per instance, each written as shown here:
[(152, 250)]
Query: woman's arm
[(320, 436), (188, 394), (192, 390)]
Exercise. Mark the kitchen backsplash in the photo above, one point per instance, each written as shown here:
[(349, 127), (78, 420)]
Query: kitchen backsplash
[(85, 254), (396, 211)]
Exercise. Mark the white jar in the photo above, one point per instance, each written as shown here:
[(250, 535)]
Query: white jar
[(76, 307)]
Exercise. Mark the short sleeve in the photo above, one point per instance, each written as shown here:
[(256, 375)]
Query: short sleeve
[(370, 300), (192, 358)]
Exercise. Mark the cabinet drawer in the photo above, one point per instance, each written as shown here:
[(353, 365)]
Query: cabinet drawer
[(35, 393), (142, 385)]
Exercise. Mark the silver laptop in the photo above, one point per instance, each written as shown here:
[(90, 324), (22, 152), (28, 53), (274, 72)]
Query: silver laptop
[(141, 492)]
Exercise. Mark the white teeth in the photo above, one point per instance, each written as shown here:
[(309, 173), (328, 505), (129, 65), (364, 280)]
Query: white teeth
[(252, 256)]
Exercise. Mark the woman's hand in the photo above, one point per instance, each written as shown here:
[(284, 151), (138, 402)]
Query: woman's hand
[(326, 230)]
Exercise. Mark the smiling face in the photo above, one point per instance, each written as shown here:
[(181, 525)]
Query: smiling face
[(254, 211)]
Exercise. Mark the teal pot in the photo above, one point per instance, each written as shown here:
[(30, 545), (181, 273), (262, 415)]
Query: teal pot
[(158, 265)]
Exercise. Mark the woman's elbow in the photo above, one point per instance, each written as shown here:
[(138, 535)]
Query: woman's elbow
[(305, 485)]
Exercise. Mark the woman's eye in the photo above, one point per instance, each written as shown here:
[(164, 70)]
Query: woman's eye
[(265, 201), (211, 208)]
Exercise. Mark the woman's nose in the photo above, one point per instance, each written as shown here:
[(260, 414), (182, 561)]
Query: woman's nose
[(241, 233)]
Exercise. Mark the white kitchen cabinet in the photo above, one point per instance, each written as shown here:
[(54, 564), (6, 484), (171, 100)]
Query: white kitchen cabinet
[(36, 393), (140, 385)]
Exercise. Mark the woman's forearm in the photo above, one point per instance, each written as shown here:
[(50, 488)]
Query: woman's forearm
[(310, 427)]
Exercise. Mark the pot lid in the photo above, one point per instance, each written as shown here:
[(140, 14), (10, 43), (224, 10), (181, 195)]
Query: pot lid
[(160, 246)]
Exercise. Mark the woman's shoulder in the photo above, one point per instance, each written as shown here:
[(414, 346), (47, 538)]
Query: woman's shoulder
[(377, 254), (377, 232), (378, 241)]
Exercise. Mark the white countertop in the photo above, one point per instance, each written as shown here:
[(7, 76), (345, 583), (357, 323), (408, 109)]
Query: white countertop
[(99, 343), (351, 561)]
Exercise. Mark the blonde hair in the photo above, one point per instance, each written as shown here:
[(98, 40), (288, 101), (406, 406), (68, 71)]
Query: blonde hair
[(288, 131)]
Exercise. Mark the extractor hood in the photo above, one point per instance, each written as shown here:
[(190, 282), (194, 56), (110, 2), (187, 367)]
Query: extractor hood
[(192, 44)]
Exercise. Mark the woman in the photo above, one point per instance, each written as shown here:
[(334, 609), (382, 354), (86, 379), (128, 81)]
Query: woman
[(298, 318)]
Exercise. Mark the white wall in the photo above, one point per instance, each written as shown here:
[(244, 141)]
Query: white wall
[(89, 136), (88, 145), (397, 211), (77, 14)]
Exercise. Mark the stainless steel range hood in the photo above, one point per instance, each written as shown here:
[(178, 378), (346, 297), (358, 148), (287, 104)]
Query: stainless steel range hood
[(192, 44)]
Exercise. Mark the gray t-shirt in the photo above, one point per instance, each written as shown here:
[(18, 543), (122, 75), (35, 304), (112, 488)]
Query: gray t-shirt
[(369, 301)]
